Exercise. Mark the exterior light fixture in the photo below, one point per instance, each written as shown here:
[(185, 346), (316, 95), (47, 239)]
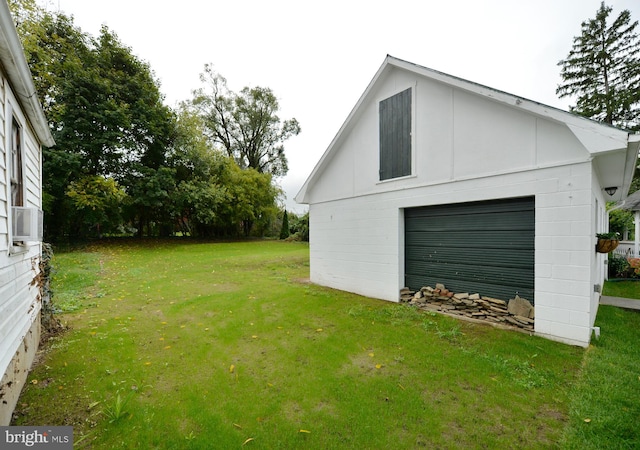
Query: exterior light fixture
[(611, 190)]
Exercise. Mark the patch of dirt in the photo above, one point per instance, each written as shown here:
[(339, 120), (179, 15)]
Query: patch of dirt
[(47, 337)]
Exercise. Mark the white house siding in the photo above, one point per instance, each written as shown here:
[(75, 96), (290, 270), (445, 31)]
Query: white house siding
[(4, 189), (19, 296), (466, 147)]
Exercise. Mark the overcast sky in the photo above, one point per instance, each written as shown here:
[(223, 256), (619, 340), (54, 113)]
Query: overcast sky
[(319, 57)]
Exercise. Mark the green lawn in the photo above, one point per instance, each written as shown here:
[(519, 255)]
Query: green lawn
[(605, 401), (622, 288), (225, 345)]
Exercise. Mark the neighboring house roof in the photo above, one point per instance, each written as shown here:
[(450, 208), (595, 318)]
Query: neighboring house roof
[(631, 203), (613, 150), (15, 65)]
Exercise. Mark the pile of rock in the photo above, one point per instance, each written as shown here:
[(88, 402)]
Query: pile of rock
[(516, 312)]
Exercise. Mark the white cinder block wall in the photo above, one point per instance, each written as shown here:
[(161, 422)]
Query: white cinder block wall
[(357, 244)]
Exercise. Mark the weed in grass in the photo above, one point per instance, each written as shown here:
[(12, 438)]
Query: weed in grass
[(114, 410), (190, 437), (451, 334), (522, 372)]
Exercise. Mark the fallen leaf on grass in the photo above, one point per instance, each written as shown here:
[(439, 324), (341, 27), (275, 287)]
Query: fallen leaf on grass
[(231, 368), (34, 381), (371, 354), (237, 426), (401, 386), (167, 347), (319, 330), (247, 441), (148, 363), (305, 431), (587, 420), (378, 366)]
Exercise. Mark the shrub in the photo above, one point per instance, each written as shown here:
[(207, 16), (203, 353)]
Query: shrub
[(618, 266)]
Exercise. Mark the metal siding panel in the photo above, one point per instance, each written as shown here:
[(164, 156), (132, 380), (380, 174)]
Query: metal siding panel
[(485, 247)]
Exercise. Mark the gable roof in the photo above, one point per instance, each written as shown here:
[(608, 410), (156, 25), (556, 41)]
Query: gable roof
[(599, 139), (15, 65), (631, 203)]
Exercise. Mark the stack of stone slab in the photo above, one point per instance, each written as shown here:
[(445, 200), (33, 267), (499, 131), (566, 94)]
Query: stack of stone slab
[(517, 312)]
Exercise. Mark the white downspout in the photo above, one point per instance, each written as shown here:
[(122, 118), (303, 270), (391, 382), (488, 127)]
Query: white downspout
[(636, 245)]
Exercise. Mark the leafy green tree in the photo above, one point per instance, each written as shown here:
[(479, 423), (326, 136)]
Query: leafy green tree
[(621, 220), (53, 47), (602, 70), (253, 200), (245, 125), (99, 201), (151, 207), (199, 171), (105, 109), (115, 136), (284, 230)]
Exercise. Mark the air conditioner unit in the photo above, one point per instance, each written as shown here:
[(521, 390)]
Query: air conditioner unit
[(27, 223)]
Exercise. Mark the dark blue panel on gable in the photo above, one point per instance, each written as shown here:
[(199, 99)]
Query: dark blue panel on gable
[(395, 136)]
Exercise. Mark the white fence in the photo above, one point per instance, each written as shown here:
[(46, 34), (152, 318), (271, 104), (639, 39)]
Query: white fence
[(626, 248)]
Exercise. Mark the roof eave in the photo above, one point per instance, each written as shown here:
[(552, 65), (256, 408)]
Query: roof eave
[(15, 65), (302, 197)]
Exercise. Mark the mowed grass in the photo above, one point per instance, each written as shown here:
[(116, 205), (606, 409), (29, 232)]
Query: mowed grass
[(624, 289), (225, 345), (605, 401)]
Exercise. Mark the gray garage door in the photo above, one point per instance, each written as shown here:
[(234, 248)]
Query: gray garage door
[(484, 247)]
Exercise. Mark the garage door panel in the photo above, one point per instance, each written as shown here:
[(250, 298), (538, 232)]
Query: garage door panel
[(485, 247), (470, 256), (479, 222), (479, 239), (470, 208), (476, 273)]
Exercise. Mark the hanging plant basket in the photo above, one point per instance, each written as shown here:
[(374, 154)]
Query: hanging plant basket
[(606, 245)]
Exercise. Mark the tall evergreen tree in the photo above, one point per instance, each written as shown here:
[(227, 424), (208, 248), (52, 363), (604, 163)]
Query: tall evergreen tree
[(284, 231), (602, 70)]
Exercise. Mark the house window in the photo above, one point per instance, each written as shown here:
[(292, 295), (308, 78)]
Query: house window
[(395, 136), (16, 176)]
